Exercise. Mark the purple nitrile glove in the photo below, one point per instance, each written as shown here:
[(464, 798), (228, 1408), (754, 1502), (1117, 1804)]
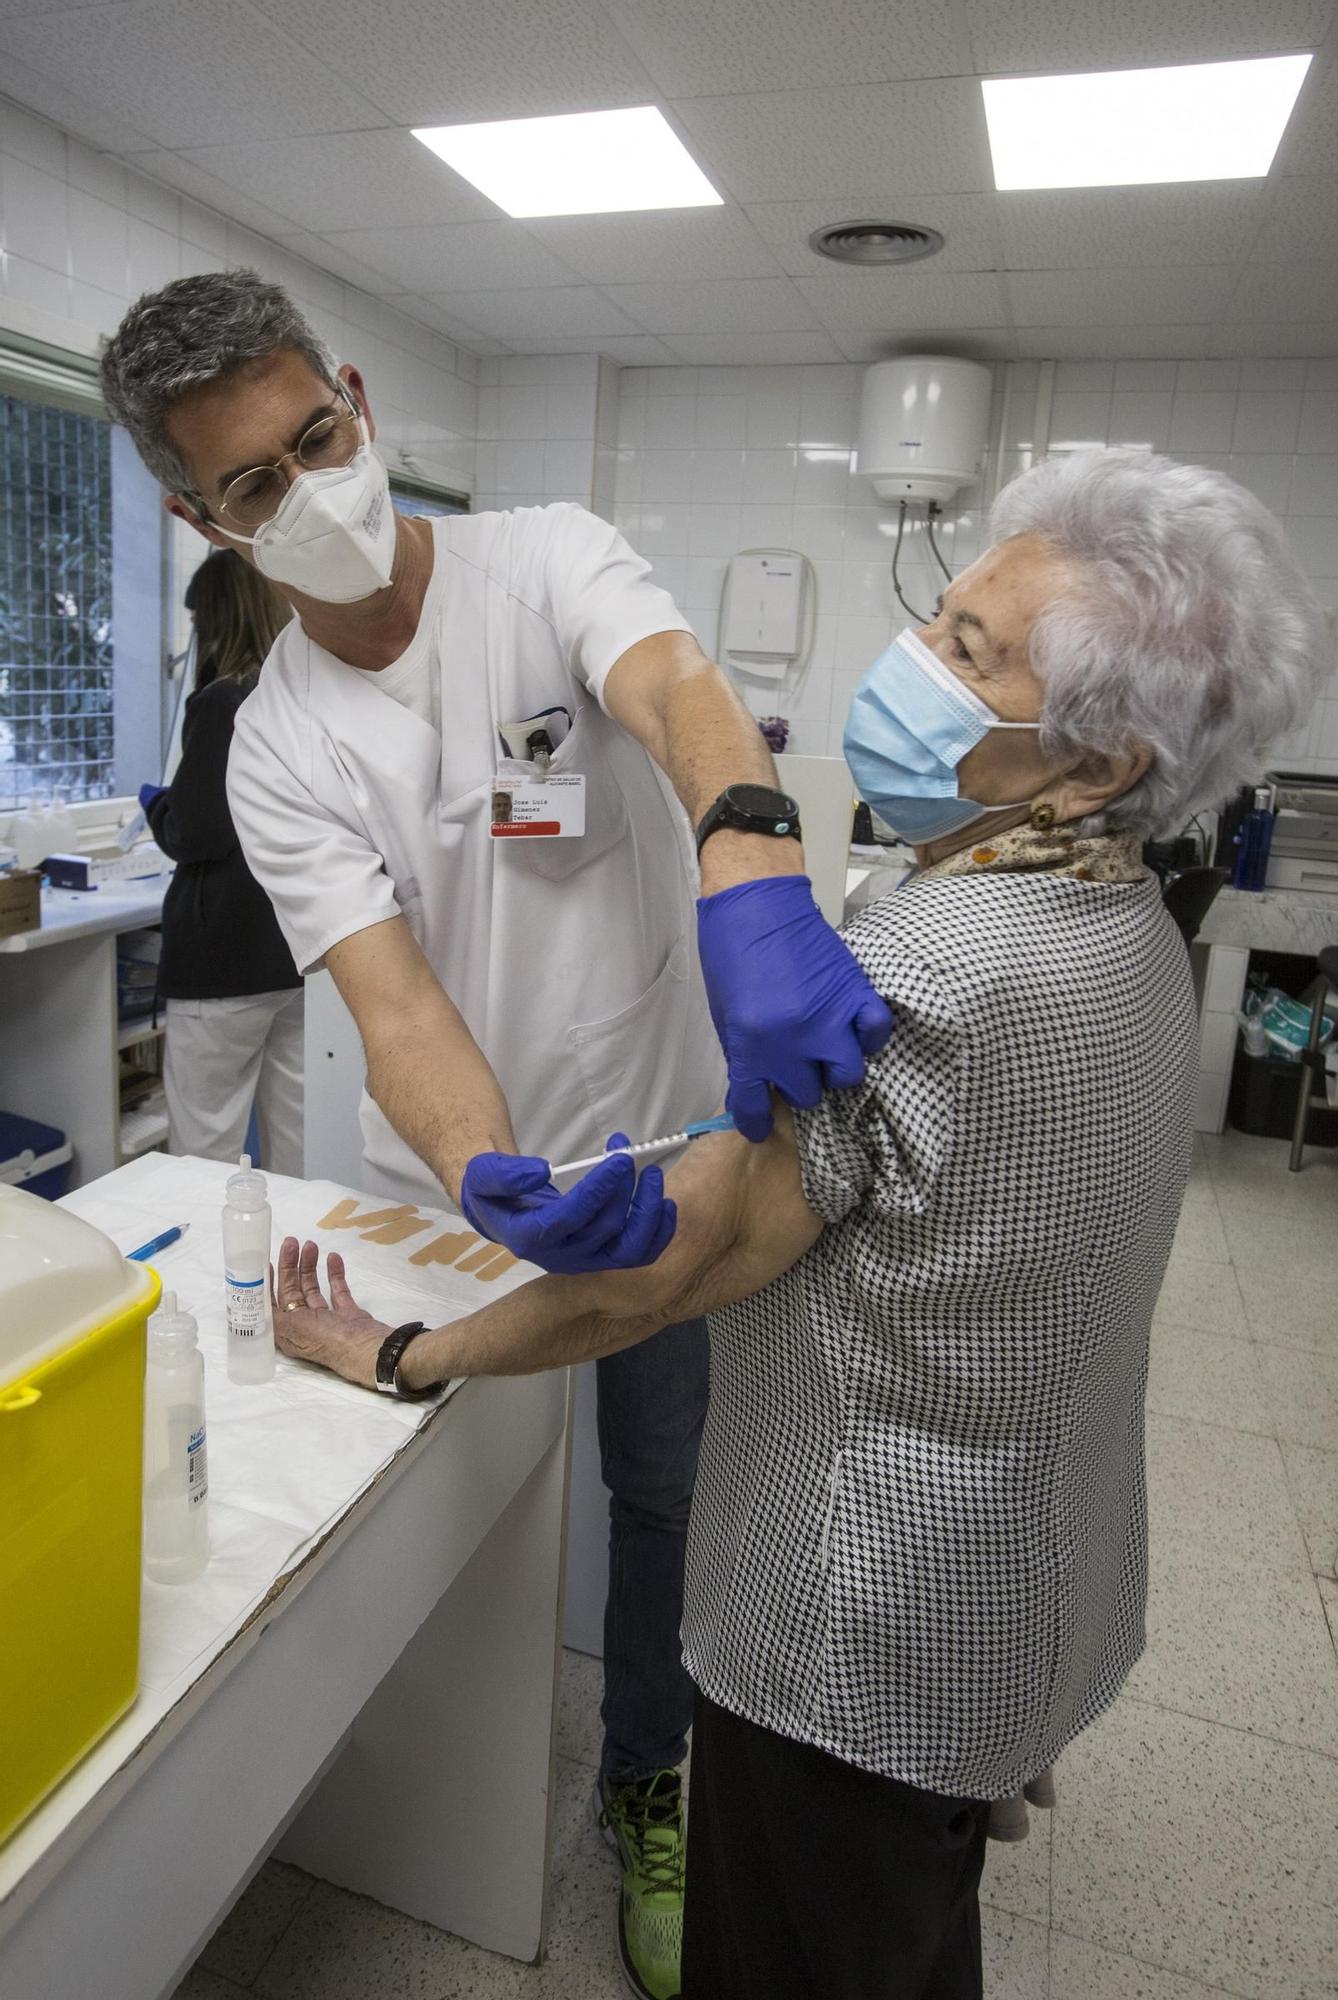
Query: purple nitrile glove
[(147, 795), (791, 1004), (608, 1221)]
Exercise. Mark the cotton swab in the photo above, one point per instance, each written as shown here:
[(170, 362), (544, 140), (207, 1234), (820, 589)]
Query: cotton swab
[(650, 1148)]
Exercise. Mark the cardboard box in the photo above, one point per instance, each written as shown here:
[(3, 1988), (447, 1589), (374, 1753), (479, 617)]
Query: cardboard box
[(103, 866), (20, 901)]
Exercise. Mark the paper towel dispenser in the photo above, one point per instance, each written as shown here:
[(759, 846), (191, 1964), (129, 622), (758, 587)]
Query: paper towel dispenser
[(764, 611)]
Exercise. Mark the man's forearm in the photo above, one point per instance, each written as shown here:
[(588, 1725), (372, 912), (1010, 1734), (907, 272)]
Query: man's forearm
[(678, 704), (424, 1069), (712, 741), (433, 1082)]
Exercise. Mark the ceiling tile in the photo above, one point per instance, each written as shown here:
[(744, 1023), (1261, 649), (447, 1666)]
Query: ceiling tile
[(458, 257), (534, 314), (698, 47), (676, 244), (742, 305), (1310, 143), (1280, 339), (629, 350), (1060, 343), (70, 108), (332, 257), (176, 171), (1190, 295), (189, 72), (798, 145), (1309, 291), (1087, 228), (911, 298), (725, 350), (435, 62), (1301, 220), (348, 180), (966, 222), (442, 320), (1041, 35)]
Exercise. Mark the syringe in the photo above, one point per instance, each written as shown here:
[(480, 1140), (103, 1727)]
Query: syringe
[(650, 1148)]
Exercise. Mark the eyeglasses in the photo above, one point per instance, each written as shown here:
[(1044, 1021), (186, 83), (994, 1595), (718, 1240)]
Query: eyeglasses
[(254, 497)]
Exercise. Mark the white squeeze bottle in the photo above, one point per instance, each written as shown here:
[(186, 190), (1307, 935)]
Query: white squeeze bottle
[(62, 831), (176, 1454), (246, 1231)]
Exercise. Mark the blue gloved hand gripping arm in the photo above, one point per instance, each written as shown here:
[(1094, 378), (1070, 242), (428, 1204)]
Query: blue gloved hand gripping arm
[(791, 1004)]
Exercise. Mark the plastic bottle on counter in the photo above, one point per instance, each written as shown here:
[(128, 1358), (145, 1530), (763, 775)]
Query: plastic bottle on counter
[(62, 832), (25, 834), (176, 1451), (246, 1238), (1254, 837)]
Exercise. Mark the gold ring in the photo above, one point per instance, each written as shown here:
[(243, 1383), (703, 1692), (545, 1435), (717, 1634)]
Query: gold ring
[(294, 1305)]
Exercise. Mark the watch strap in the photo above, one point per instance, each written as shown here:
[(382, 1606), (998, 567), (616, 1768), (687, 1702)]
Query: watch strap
[(388, 1358)]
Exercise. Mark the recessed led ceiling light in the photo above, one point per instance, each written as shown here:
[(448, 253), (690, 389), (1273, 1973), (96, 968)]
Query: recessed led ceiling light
[(583, 163), (1125, 128)]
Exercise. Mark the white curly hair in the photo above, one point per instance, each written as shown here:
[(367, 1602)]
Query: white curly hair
[(1191, 629)]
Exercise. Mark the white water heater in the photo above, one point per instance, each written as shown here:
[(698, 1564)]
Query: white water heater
[(922, 426)]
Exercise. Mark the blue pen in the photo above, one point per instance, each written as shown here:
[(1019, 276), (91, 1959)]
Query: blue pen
[(650, 1147), (146, 1250)]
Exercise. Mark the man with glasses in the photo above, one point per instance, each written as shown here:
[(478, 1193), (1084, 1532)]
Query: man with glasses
[(524, 973)]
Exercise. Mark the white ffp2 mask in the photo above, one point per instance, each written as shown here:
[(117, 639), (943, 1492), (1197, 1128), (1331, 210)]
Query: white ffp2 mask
[(333, 537)]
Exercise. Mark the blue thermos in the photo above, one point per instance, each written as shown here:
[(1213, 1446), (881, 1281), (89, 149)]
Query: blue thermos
[(1254, 837)]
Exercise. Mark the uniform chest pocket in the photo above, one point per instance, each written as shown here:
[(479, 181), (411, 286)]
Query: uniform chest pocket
[(581, 751)]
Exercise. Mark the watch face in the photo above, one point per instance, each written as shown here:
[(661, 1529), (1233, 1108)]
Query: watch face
[(761, 802)]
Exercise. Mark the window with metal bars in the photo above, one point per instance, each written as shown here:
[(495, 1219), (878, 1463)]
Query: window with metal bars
[(57, 688)]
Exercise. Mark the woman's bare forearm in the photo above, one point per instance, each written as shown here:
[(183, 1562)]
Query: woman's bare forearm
[(742, 1220), (546, 1324)]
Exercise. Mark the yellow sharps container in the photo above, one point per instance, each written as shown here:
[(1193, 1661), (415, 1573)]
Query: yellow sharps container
[(72, 1320)]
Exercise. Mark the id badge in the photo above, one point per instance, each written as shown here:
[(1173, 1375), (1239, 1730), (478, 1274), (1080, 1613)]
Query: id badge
[(538, 808)]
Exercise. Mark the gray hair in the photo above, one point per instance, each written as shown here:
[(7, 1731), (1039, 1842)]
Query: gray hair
[(193, 331), (1191, 628)]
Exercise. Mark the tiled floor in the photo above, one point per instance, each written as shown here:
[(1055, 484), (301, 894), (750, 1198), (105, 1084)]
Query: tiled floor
[(1194, 1853)]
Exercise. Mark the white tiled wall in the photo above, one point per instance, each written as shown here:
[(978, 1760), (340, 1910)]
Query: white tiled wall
[(536, 429), (712, 460), (83, 236)]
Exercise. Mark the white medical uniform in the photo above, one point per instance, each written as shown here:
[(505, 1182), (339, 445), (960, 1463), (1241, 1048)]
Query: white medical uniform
[(573, 961)]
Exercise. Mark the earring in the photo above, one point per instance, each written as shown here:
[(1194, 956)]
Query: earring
[(1042, 818)]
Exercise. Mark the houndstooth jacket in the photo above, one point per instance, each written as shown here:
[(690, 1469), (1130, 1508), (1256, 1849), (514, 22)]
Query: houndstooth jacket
[(919, 1537)]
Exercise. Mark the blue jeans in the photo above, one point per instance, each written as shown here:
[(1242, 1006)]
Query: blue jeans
[(651, 1406)]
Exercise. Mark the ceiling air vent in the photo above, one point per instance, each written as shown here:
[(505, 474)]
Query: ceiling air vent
[(876, 242)]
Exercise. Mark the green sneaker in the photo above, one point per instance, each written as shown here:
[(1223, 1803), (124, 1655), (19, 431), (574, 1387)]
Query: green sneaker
[(644, 1822)]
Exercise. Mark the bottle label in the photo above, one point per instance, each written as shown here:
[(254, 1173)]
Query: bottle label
[(197, 1467), (246, 1306)]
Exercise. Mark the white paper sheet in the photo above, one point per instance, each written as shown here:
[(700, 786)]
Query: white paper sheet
[(287, 1458)]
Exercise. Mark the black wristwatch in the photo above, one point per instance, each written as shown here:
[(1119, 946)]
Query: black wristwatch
[(751, 809), (388, 1364)]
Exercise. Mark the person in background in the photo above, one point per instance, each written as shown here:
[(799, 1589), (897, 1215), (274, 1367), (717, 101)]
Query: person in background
[(234, 996), (917, 1566)]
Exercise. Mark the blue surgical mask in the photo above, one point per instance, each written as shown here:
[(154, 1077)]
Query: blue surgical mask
[(910, 725)]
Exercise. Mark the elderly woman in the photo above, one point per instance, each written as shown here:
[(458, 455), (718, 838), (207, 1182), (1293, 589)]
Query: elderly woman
[(917, 1564)]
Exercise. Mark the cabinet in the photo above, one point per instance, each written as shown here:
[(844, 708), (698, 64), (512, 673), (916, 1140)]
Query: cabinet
[(60, 1042)]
